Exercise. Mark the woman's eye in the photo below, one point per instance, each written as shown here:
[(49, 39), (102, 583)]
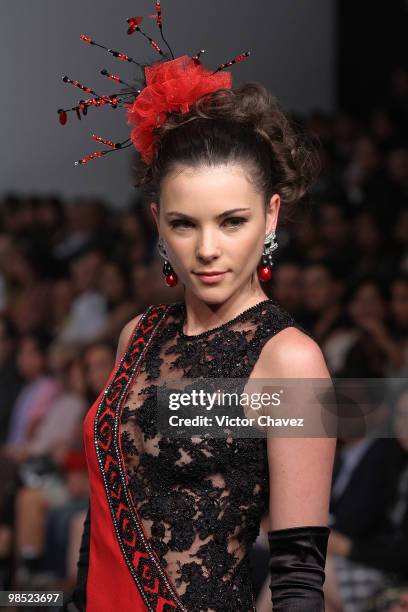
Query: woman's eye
[(236, 221), (233, 221), (180, 223)]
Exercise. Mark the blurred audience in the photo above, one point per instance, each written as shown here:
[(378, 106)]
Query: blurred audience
[(368, 545), (73, 273)]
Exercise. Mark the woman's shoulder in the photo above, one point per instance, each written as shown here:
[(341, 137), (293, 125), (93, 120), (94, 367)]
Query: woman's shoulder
[(126, 334), (293, 353), (130, 326)]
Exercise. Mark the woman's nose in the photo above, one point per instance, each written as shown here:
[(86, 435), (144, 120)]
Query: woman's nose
[(207, 247)]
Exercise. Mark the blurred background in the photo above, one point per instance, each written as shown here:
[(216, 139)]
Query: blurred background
[(78, 259)]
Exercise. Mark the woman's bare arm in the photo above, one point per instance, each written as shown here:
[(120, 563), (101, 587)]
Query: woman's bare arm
[(300, 468), (125, 336), (300, 472)]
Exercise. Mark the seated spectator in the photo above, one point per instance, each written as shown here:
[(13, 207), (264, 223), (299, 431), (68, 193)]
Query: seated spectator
[(114, 285), (373, 349), (63, 294), (88, 312), (365, 179), (372, 254), (335, 233), (362, 468), (29, 274), (56, 432), (36, 399), (399, 324), (323, 289), (287, 287), (44, 510), (10, 378), (364, 561)]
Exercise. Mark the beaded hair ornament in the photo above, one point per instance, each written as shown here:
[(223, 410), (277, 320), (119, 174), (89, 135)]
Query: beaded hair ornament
[(168, 85)]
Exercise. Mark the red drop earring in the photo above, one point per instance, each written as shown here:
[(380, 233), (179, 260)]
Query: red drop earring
[(265, 270), (264, 273), (171, 277)]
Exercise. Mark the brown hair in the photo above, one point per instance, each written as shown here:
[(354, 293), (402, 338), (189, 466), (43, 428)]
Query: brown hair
[(244, 125)]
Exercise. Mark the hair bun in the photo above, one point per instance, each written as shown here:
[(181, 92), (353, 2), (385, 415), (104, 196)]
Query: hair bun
[(292, 162), (293, 150)]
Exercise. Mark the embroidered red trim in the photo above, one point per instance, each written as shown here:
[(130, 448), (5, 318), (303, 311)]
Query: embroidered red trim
[(143, 563)]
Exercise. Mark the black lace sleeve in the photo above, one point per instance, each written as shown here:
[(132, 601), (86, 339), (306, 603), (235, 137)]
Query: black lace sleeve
[(76, 602), (297, 562)]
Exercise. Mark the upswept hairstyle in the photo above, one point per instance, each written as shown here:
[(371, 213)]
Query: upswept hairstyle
[(243, 125)]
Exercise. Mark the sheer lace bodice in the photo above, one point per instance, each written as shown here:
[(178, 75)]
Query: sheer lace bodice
[(200, 499)]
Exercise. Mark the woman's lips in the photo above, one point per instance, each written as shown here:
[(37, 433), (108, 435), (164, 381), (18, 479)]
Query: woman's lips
[(211, 278)]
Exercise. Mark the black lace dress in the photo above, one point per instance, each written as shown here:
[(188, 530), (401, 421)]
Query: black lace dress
[(198, 500)]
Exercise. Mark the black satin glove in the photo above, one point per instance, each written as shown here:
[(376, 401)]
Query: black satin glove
[(297, 562), (76, 602)]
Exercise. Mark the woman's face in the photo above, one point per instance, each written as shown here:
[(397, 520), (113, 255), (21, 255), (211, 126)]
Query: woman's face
[(30, 360), (213, 219)]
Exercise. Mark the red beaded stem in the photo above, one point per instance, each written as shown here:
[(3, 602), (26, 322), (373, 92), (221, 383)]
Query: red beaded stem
[(79, 85), (83, 104), (134, 27), (88, 158), (98, 154), (109, 143), (87, 40), (104, 141), (159, 22), (196, 57), (117, 54), (236, 60), (158, 13), (101, 101), (113, 100), (134, 23), (114, 77), (121, 56)]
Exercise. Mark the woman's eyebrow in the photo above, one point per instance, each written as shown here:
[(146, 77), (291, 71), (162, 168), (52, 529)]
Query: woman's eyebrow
[(224, 214)]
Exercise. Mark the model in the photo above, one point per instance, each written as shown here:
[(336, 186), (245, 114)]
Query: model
[(172, 517)]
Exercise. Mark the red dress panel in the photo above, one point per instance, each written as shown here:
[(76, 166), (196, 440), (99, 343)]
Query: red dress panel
[(122, 567)]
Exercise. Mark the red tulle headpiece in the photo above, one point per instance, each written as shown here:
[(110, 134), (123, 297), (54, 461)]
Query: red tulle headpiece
[(169, 85)]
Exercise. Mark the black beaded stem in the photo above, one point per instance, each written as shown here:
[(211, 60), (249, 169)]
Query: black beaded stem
[(208, 332)]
